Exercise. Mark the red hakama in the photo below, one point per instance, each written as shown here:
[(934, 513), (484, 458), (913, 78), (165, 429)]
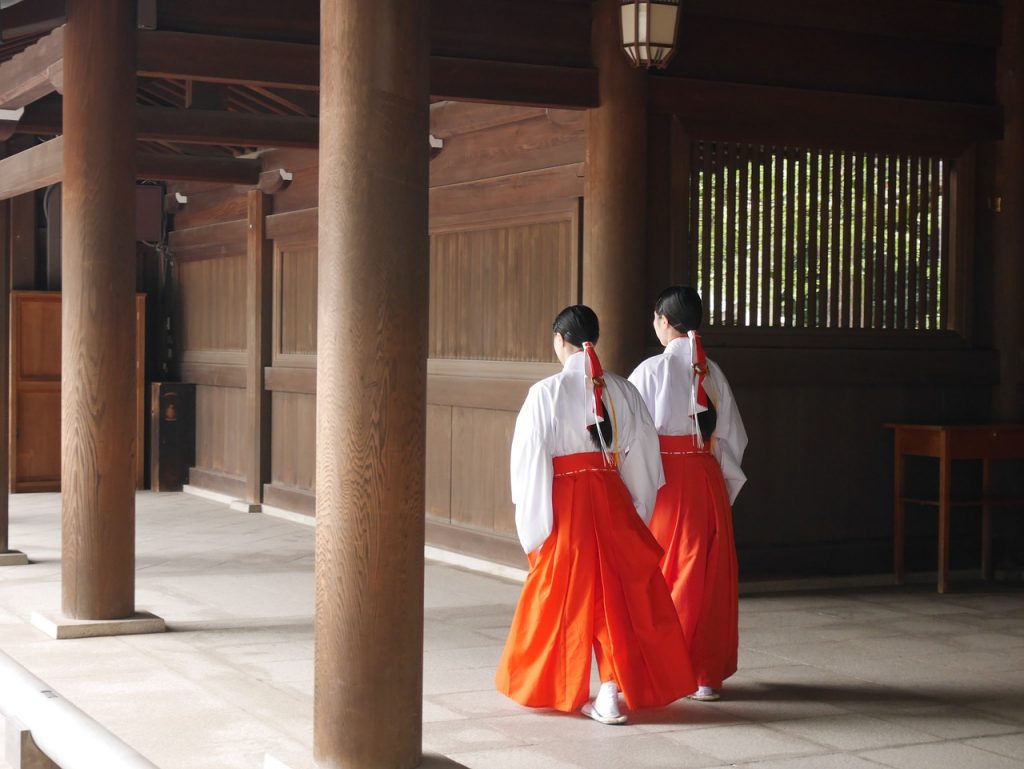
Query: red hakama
[(594, 584), (692, 521)]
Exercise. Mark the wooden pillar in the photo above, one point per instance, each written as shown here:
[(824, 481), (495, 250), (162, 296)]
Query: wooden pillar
[(615, 203), (98, 316), (5, 406), (259, 277), (1008, 310), (371, 383)]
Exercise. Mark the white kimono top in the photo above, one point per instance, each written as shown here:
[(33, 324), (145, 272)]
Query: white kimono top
[(664, 382), (553, 423)]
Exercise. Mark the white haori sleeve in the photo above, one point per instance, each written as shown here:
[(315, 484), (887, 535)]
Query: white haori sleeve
[(639, 450), (730, 435), (646, 384), (531, 470)]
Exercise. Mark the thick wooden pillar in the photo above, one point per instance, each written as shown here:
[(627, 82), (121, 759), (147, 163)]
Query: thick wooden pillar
[(371, 383), (615, 203), (98, 315), (259, 277), (1008, 310), (5, 403)]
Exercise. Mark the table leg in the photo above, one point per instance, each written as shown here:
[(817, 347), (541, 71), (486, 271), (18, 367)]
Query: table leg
[(898, 517), (945, 491), (986, 519)]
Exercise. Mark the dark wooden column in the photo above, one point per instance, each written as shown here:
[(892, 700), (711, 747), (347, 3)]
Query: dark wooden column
[(614, 239), (259, 276), (5, 394), (1008, 310), (98, 320), (371, 383)]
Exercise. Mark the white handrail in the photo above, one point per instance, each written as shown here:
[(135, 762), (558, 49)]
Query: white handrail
[(69, 737)]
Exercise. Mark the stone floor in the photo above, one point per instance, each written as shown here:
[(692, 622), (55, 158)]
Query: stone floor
[(880, 677)]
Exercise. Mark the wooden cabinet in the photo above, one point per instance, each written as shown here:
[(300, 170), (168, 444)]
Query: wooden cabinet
[(35, 390)]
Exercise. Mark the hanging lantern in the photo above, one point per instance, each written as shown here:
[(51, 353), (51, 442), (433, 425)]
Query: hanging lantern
[(649, 31)]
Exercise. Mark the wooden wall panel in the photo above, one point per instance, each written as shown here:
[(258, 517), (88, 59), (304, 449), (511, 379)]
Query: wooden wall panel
[(39, 340), (211, 303), (494, 292), (220, 429), (439, 461), (481, 440), (296, 299), (293, 440), (36, 425), (35, 408), (525, 145)]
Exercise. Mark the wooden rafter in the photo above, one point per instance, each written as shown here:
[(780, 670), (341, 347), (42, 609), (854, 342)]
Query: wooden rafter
[(235, 60), (43, 165), (34, 72), (200, 169), (193, 126), (31, 169), (226, 128)]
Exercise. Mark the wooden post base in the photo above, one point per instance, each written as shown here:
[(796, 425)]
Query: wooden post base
[(21, 751)]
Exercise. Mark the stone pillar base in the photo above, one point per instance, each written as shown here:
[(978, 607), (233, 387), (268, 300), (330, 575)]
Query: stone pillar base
[(290, 761), (60, 627), (13, 558)]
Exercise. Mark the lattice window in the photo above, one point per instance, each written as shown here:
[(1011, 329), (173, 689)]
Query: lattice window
[(806, 238)]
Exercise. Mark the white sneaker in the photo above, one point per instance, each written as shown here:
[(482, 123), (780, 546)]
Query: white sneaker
[(605, 707), (705, 694)]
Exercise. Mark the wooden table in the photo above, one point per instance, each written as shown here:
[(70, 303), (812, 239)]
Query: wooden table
[(946, 443)]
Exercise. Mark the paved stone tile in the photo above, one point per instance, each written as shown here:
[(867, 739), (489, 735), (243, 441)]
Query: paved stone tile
[(953, 723), (942, 755), (651, 751), (831, 761), (465, 735), (879, 673), (853, 732), (1009, 745), (515, 758), (744, 742)]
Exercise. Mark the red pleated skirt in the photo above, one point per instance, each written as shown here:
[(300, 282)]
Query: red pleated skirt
[(692, 522), (595, 585)]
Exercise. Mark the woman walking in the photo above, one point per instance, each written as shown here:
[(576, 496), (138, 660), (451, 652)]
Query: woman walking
[(702, 443), (585, 472)]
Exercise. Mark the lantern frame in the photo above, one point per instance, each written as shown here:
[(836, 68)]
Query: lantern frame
[(641, 18)]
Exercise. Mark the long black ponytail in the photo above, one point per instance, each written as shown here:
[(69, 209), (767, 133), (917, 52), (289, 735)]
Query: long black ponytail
[(682, 308), (577, 324)]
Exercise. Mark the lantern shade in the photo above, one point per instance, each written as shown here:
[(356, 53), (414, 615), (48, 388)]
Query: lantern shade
[(649, 31)]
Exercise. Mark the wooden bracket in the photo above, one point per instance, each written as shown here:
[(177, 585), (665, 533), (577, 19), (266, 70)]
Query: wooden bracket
[(274, 181), (174, 202)]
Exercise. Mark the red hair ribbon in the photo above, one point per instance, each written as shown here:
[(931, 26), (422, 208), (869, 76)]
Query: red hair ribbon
[(597, 377)]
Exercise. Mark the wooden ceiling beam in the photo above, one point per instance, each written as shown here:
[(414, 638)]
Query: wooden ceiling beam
[(32, 169), (31, 18), (199, 169), (236, 60), (534, 85), (265, 64), (43, 165), (195, 126), (33, 73), (807, 118)]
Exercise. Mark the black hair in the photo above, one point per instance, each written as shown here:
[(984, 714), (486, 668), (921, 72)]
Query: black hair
[(576, 325), (682, 308)]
